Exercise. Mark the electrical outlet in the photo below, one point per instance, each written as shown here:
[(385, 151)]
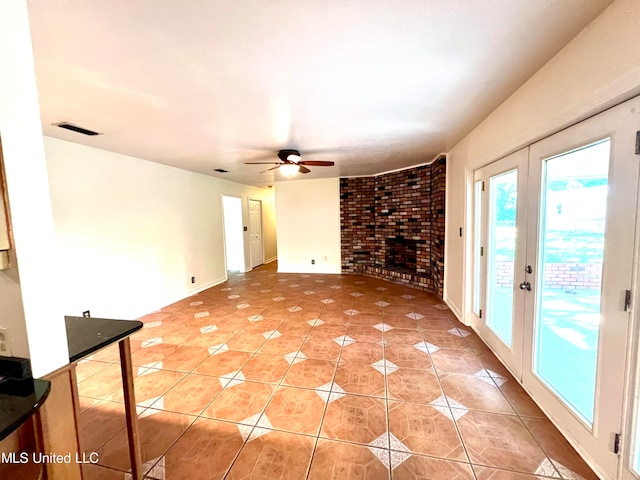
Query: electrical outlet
[(193, 279), (5, 342), (86, 314), (313, 262)]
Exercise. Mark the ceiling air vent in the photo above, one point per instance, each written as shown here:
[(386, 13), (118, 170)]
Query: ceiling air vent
[(221, 170), (75, 128)]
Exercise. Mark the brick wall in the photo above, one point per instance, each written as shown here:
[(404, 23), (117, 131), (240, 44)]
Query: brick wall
[(357, 223), (504, 274), (438, 183), (572, 276), (565, 276), (409, 204)]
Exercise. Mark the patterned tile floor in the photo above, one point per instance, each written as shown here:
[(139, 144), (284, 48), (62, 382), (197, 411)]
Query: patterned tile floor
[(290, 376)]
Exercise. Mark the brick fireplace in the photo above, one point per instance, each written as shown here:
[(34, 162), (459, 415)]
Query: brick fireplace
[(401, 254), (392, 225)]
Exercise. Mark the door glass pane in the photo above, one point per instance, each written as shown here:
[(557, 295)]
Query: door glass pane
[(477, 243), (503, 196), (571, 252), (635, 465)]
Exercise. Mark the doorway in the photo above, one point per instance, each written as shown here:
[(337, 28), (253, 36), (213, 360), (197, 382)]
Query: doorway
[(233, 236), (554, 242)]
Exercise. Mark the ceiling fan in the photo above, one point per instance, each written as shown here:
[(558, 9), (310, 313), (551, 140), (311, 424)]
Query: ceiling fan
[(291, 163)]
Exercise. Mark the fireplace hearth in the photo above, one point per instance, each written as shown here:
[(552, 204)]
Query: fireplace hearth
[(401, 254)]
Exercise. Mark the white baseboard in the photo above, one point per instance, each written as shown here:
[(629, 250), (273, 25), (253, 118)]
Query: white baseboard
[(176, 298), (454, 309), (213, 283), (196, 290), (268, 260)]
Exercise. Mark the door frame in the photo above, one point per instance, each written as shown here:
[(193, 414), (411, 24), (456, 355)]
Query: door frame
[(631, 407), (224, 232)]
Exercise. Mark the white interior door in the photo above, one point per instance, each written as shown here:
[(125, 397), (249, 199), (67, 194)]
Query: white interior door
[(554, 258), (255, 232)]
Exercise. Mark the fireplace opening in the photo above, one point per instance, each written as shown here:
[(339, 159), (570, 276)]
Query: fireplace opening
[(401, 255)]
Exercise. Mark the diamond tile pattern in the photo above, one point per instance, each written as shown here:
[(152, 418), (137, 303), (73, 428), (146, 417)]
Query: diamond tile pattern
[(208, 328), (350, 377), (344, 340), (385, 367), (442, 404), (150, 342), (383, 327), (272, 334)]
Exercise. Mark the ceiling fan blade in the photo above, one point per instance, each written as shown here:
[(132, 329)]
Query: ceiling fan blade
[(316, 163), (262, 163), (303, 169), (269, 169)]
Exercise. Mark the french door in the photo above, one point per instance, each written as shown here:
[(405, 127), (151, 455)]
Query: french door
[(556, 234), (500, 191)]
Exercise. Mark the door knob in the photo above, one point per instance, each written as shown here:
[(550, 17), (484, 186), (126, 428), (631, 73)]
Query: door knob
[(525, 286)]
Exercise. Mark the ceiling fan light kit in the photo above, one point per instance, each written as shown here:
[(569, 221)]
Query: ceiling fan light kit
[(289, 169)]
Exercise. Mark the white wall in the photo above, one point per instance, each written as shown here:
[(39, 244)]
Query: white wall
[(308, 225), (132, 233), (233, 236), (597, 69), (29, 296)]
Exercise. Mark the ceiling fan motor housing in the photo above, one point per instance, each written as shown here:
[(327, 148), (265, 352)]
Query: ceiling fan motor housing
[(284, 155)]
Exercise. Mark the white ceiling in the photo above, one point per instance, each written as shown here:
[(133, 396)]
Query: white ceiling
[(204, 84)]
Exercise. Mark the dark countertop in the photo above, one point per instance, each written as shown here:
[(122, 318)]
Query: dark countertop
[(86, 335), (20, 397), (18, 400)]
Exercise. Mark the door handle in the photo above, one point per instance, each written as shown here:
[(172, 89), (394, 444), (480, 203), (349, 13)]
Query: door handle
[(525, 286)]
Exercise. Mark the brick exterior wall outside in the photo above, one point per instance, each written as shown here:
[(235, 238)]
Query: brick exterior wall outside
[(573, 276), (408, 204), (565, 276), (504, 274)]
